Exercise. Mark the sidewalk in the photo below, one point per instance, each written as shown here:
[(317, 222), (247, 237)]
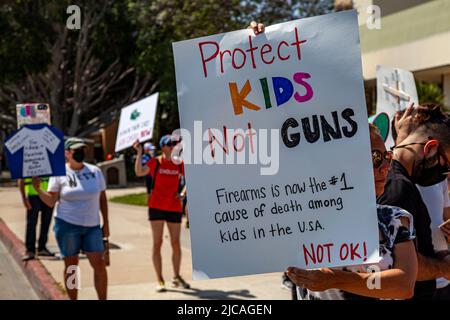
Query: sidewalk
[(13, 283), (131, 274)]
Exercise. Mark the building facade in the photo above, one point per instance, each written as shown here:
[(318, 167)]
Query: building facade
[(414, 35)]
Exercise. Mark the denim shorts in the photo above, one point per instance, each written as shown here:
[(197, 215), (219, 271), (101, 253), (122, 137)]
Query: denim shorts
[(72, 238)]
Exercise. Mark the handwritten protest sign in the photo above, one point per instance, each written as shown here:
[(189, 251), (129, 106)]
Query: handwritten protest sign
[(36, 150), (288, 107), (136, 122), (32, 113), (396, 90)]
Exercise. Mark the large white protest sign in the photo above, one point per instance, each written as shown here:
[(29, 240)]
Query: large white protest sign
[(288, 106), (136, 122), (396, 90)]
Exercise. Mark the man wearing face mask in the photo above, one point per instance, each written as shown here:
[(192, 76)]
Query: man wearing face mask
[(421, 157), (80, 196), (433, 188)]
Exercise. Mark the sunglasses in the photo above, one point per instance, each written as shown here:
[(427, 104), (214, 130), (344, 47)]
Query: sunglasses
[(378, 157), (171, 144)]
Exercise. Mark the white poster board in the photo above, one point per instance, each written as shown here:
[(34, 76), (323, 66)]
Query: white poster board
[(396, 90), (136, 122), (309, 200)]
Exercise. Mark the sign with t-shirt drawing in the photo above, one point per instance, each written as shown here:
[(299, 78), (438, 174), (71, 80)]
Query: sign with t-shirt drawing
[(36, 150), (136, 122), (396, 90), (288, 107)]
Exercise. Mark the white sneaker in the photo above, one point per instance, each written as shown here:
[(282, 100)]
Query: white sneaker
[(161, 287), (179, 282)]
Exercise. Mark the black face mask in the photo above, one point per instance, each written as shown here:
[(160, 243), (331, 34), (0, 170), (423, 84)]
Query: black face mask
[(428, 171), (78, 155)]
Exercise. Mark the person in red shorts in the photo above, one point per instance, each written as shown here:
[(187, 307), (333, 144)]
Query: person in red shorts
[(165, 205)]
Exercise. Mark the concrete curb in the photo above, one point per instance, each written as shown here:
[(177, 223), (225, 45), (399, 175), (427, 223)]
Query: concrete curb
[(41, 280)]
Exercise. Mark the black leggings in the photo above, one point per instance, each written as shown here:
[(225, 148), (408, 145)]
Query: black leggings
[(32, 218)]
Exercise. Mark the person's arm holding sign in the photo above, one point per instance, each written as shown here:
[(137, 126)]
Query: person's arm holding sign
[(49, 198), (256, 27), (396, 283), (139, 169)]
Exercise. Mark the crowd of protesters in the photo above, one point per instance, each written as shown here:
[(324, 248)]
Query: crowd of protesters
[(413, 203), (79, 198), (412, 207), (413, 239)]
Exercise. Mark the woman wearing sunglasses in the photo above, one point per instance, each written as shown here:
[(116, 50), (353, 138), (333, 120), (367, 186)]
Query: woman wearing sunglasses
[(165, 205), (394, 276)]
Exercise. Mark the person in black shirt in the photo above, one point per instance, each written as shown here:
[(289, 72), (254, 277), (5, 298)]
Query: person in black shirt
[(397, 267), (422, 153)]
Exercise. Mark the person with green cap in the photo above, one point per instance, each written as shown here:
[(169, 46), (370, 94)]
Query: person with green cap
[(80, 195), (34, 206)]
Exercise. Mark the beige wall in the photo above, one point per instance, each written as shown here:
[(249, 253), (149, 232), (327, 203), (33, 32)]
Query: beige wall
[(393, 6), (361, 6), (427, 53), (387, 7)]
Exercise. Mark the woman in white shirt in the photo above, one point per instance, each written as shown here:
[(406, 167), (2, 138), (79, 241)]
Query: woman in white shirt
[(80, 196)]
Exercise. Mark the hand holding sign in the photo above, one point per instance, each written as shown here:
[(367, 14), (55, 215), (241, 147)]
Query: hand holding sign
[(137, 146), (136, 122), (314, 280), (256, 27)]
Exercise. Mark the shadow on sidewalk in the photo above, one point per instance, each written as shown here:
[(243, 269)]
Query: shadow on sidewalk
[(215, 294)]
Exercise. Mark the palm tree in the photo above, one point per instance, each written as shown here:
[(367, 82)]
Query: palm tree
[(429, 92)]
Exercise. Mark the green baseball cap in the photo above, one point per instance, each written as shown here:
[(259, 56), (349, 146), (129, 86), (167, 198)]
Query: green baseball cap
[(74, 143)]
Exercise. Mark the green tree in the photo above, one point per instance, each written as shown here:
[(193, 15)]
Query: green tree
[(162, 22), (123, 52), (429, 92), (84, 74)]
